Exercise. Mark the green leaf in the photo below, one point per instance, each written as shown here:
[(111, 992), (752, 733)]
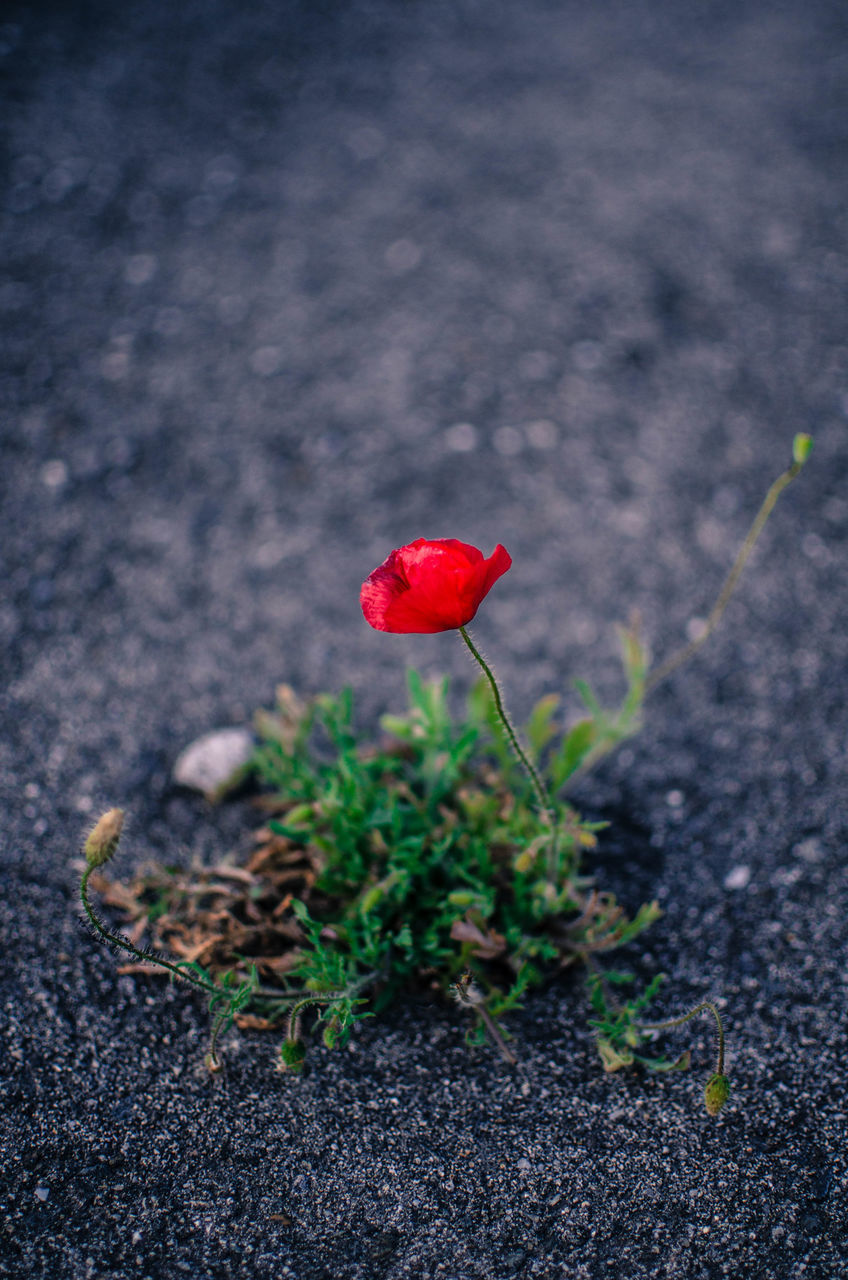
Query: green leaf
[(642, 1001), (397, 726), (666, 1064), (403, 937), (576, 745), (634, 656), (415, 685), (612, 1057), (479, 700), (539, 729), (437, 691), (587, 694), (618, 977), (299, 834), (644, 918)]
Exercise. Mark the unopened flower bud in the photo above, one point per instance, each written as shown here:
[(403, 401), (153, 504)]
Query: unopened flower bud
[(292, 1055), (716, 1093), (466, 992), (103, 840), (801, 448)]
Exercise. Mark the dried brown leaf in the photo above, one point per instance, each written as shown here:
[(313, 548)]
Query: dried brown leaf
[(252, 1022), (487, 946)]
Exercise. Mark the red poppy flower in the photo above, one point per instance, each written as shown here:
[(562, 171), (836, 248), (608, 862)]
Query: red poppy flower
[(430, 586)]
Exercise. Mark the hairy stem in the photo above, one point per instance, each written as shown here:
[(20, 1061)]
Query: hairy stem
[(118, 940), (682, 655), (687, 1017), (544, 800), (318, 998), (491, 1027), (212, 1056), (685, 653), (530, 769)]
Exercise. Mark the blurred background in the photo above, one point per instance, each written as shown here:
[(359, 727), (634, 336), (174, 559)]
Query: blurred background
[(286, 285)]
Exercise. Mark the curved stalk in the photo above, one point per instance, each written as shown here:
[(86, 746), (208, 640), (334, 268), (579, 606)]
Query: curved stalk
[(118, 940), (685, 653)]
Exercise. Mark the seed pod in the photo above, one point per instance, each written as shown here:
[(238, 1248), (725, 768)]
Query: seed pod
[(801, 448), (103, 840), (292, 1054), (716, 1093)]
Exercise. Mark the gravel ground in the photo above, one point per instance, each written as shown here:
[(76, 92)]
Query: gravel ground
[(284, 286)]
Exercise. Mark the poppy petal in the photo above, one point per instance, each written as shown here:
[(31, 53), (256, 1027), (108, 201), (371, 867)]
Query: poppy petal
[(430, 585)]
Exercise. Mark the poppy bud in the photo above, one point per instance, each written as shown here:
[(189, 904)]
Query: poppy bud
[(462, 898), (802, 447), (103, 840), (430, 585), (716, 1093), (292, 1055)]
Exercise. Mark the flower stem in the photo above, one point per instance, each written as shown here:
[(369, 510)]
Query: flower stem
[(687, 1017), (685, 653), (717, 1089), (146, 957), (544, 800), (213, 1061), (469, 995)]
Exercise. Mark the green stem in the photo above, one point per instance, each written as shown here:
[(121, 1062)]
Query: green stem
[(470, 997), (545, 805), (687, 1017), (491, 1026), (212, 1056), (118, 940), (532, 773), (145, 957), (350, 992), (685, 653)]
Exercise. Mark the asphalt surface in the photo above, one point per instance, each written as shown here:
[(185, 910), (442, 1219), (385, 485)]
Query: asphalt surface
[(284, 286)]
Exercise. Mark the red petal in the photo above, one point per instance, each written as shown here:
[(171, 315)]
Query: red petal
[(430, 585)]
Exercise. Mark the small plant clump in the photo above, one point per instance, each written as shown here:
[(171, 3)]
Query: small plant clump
[(444, 857)]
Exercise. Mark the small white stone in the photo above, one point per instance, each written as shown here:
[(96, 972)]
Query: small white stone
[(54, 473), (212, 761), (266, 361), (461, 437), (366, 143), (402, 256), (738, 878), (542, 433), (141, 268), (115, 365), (587, 355), (695, 629), (811, 850), (535, 366), (508, 441)]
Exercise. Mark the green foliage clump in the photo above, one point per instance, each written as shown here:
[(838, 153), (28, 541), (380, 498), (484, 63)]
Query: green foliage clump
[(433, 862), (424, 862)]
